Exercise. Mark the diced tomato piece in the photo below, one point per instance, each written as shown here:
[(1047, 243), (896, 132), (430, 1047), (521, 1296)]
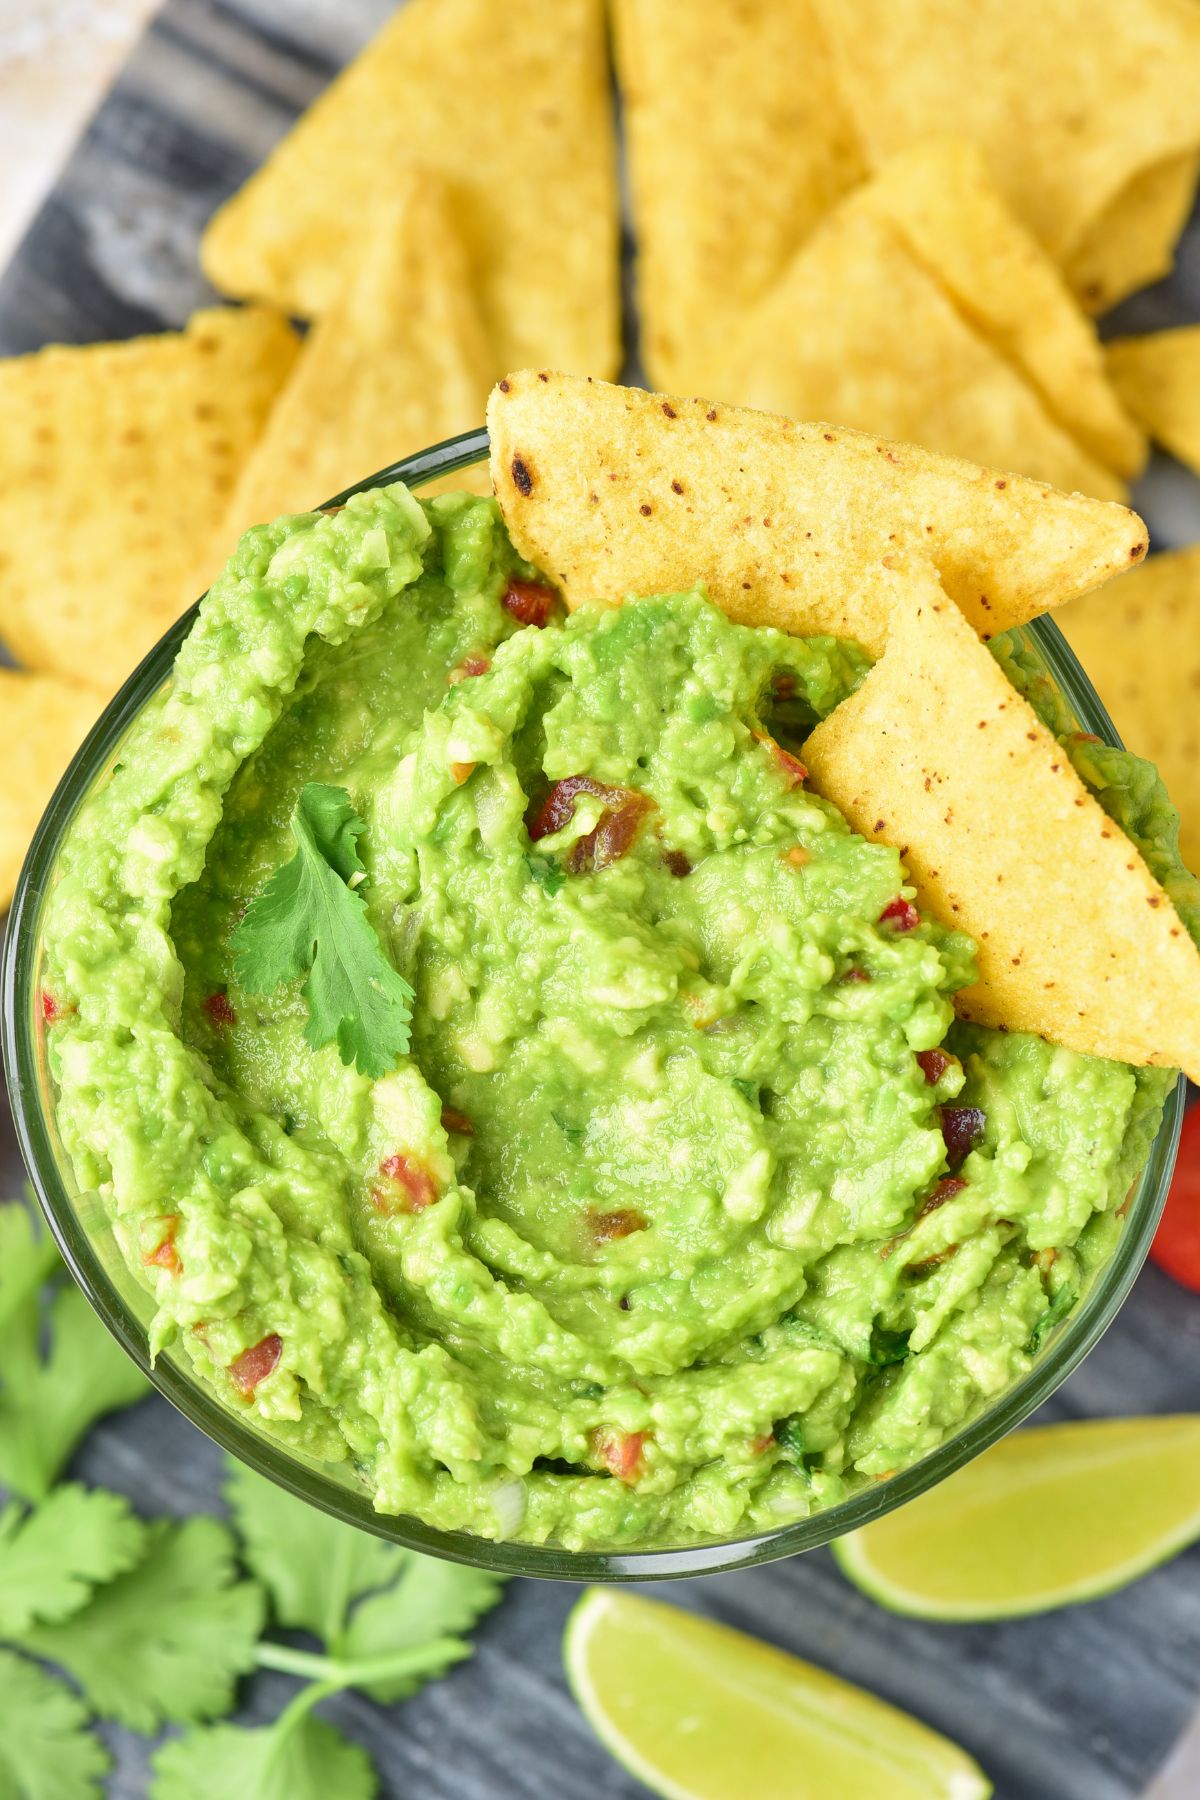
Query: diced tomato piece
[(945, 1190), (412, 1188), (622, 1222), (453, 1120), (788, 765), (255, 1364), (1176, 1246), (856, 975), (620, 1452), (165, 1255), (615, 833), (51, 1010), (900, 913), (934, 1064), (474, 664), (762, 1443), (962, 1128), (783, 684), (219, 1011), (529, 602), (676, 863)]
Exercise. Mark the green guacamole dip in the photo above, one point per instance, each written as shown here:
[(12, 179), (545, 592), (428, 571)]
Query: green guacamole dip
[(692, 1208)]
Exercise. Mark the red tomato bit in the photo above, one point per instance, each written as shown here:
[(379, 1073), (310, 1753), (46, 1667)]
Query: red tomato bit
[(607, 1226), (165, 1255), (962, 1128), (219, 1011), (616, 830), (788, 765), (1176, 1246), (620, 1452), (762, 1443), (51, 1010), (945, 1190), (255, 1364), (453, 1120), (900, 913), (529, 602), (934, 1064), (474, 664), (413, 1187)]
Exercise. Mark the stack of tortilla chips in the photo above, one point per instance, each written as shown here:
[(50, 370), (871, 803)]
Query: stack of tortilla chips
[(896, 218)]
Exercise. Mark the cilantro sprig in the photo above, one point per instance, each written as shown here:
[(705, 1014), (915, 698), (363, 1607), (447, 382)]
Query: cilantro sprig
[(155, 1622), (59, 1370), (311, 920)]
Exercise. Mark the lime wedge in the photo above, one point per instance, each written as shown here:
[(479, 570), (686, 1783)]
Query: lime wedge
[(1046, 1518), (699, 1712)]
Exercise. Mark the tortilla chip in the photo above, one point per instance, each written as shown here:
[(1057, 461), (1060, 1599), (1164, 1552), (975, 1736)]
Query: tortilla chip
[(511, 106), (1158, 377), (859, 333), (738, 145), (398, 363), (950, 214), (937, 754), (1140, 644), (116, 464), (45, 721), (1068, 102), (613, 491), (1133, 241)]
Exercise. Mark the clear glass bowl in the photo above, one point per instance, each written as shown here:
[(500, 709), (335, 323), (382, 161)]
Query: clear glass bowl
[(81, 1226)]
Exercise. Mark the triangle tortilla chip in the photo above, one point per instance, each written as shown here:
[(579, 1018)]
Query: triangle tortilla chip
[(1132, 243), (1069, 102), (511, 106), (116, 464), (952, 218), (860, 332), (399, 362), (938, 755), (1158, 377), (1140, 644), (738, 145), (614, 491), (45, 721)]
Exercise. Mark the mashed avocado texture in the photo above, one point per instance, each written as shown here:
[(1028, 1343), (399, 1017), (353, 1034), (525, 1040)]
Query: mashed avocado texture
[(690, 1207)]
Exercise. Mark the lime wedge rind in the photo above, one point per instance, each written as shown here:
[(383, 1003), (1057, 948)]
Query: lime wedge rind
[(1078, 1461), (833, 1732)]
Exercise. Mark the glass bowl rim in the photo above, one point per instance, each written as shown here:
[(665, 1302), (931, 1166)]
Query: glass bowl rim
[(19, 1046)]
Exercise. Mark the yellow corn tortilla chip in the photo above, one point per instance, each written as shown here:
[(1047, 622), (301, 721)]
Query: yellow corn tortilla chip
[(398, 363), (738, 144), (938, 755), (1140, 643), (511, 106), (614, 491), (1132, 243), (1158, 377), (951, 216), (45, 721), (1068, 100), (116, 464), (858, 332)]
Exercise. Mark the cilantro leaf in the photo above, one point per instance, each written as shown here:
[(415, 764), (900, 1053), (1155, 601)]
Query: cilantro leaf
[(48, 1403), (52, 1558), (312, 1566), (432, 1599), (547, 874), (309, 920), (28, 1258), (168, 1639), (46, 1750), (307, 1760)]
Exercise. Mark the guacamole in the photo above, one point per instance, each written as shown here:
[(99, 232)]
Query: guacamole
[(690, 1207)]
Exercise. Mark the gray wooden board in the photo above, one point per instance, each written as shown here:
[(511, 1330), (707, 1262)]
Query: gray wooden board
[(1083, 1705)]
